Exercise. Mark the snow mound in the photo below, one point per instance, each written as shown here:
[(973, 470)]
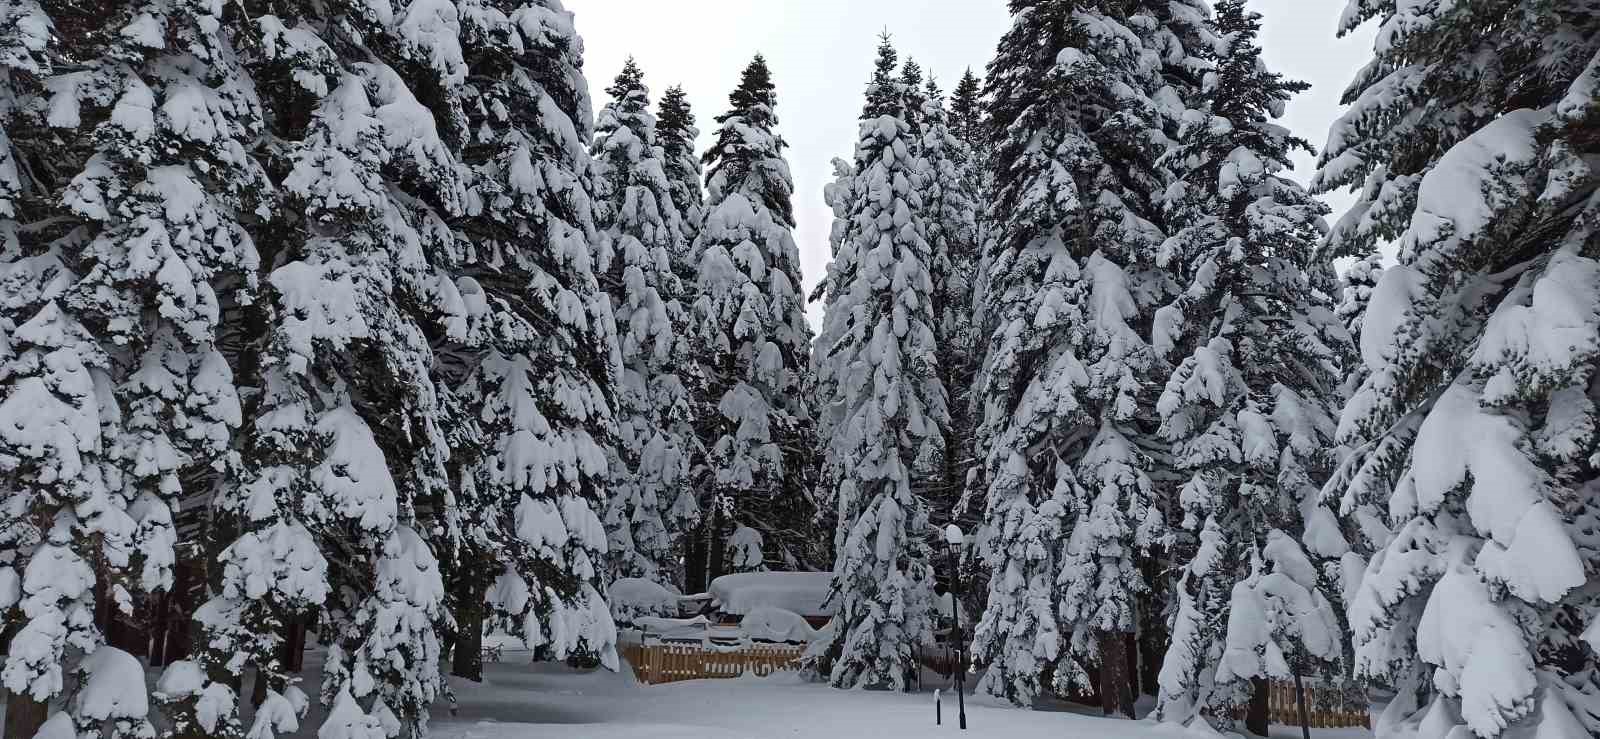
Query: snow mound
[(635, 597), (766, 623), (801, 592)]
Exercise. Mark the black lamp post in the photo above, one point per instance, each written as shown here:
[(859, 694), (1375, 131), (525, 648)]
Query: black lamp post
[(955, 538)]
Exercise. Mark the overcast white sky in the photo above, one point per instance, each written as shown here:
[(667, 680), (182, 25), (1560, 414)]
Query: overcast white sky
[(821, 53)]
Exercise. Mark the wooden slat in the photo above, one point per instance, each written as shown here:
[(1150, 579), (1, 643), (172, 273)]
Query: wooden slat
[(666, 663), (1283, 708)]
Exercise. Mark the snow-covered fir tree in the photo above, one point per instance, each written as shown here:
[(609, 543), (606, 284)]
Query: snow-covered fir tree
[(1356, 288), (968, 125), (966, 112), (752, 340), (651, 503), (540, 362), (1470, 140), (121, 249), (882, 404), (342, 441), (949, 214), (1249, 408), (676, 134), (1080, 97)]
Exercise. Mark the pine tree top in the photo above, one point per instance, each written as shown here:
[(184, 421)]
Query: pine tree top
[(883, 95), (629, 95), (911, 74), (675, 123), (748, 153), (1242, 89), (911, 91), (628, 90), (966, 109), (756, 98)]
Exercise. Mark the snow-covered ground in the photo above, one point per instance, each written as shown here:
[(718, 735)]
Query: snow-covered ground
[(522, 701), (518, 700)]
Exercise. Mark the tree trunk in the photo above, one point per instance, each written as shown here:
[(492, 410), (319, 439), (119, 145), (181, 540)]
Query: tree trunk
[(467, 661), (716, 544), (294, 648), (1300, 698), (694, 560), (1131, 651), (1153, 643), (120, 630), (1153, 637), (258, 689), (1256, 719), (24, 715), (1116, 690)]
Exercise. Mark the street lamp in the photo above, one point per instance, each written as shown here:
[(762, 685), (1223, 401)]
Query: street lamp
[(955, 538)]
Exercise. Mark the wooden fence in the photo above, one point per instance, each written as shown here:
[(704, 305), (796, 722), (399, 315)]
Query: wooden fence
[(655, 664), (1325, 708)]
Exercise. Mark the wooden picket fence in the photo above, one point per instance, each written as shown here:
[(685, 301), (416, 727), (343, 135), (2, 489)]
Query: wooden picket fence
[(1326, 709), (655, 664)]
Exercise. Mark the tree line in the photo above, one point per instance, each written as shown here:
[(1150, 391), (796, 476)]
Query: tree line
[(355, 317)]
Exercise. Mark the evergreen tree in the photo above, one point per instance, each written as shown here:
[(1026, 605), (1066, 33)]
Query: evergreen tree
[(650, 501), (342, 444), (966, 112), (949, 214), (540, 361), (1077, 114), (752, 338), (912, 99), (1469, 138), (884, 412), (1356, 291), (1249, 408), (121, 249), (676, 132)]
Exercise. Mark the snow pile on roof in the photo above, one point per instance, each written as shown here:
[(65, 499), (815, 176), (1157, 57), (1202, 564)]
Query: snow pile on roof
[(635, 597), (802, 592), (698, 628), (766, 623)]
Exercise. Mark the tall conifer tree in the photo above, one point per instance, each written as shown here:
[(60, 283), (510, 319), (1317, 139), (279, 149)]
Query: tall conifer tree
[(752, 339), (949, 213), (121, 249), (884, 412), (342, 443), (1249, 407), (1078, 114), (1470, 140), (543, 377), (676, 132), (651, 503)]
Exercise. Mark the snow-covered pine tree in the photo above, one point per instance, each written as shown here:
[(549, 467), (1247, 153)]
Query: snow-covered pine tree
[(1080, 96), (343, 441), (676, 133), (966, 112), (1249, 408), (913, 98), (949, 214), (1357, 286), (651, 504), (545, 376), (23, 48), (883, 405), (1470, 138), (133, 248), (752, 340)]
